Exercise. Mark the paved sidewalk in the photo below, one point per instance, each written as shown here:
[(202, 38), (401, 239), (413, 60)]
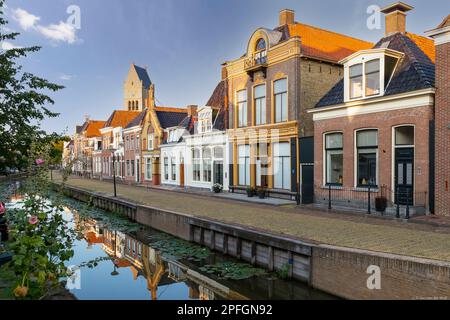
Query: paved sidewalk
[(354, 231)]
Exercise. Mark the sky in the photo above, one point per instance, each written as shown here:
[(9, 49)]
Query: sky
[(182, 42)]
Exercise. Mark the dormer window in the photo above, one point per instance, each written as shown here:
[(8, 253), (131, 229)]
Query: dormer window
[(368, 73), (366, 86)]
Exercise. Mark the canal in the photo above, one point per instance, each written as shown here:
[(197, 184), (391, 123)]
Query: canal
[(115, 259)]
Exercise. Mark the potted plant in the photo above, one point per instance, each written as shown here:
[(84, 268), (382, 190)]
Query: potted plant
[(217, 188), (381, 204), (261, 193), (250, 192)]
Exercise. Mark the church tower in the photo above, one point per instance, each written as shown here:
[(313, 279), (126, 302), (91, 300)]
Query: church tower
[(136, 88)]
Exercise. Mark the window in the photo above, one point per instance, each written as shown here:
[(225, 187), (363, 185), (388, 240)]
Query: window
[(261, 52), (148, 169), (150, 142), (367, 153), (282, 166), (207, 168), (132, 142), (132, 168), (218, 152), (262, 164), (261, 45), (128, 168), (242, 108), (138, 142), (373, 77), (244, 165), (334, 158), (173, 168), (196, 164), (280, 98), (260, 104), (127, 143), (166, 168), (356, 81), (404, 136)]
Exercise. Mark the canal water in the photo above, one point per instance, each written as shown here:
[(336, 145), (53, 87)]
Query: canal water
[(121, 260)]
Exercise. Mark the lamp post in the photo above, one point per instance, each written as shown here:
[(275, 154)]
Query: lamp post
[(115, 272)]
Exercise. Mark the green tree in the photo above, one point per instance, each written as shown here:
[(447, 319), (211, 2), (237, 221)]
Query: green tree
[(23, 105), (56, 152)]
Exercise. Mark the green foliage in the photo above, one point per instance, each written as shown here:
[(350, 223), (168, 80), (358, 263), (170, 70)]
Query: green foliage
[(22, 104), (233, 271), (177, 249), (284, 271), (40, 241)]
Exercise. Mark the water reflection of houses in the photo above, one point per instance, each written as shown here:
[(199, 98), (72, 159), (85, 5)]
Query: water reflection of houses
[(130, 251)]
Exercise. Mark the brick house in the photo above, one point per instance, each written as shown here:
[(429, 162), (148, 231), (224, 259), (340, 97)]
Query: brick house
[(157, 119), (86, 141), (132, 149), (284, 72), (441, 36), (373, 129), (112, 143)]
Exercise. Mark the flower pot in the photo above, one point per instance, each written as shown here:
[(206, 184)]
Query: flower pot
[(381, 204)]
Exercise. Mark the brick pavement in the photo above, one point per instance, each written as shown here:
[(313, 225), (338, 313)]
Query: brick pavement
[(354, 231)]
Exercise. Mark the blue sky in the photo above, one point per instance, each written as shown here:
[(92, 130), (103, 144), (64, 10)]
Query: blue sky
[(183, 43)]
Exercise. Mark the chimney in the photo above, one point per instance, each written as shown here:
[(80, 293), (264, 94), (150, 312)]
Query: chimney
[(287, 16), (396, 17), (192, 110)]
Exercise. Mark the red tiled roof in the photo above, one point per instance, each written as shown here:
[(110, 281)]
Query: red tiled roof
[(327, 45), (93, 128), (120, 118), (425, 44)]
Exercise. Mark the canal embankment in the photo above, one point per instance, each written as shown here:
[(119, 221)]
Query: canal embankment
[(345, 272)]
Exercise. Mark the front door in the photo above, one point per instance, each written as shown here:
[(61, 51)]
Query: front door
[(307, 183), (218, 172), (404, 176)]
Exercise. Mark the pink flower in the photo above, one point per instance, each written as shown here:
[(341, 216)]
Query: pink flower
[(2, 208), (33, 220), (39, 161)]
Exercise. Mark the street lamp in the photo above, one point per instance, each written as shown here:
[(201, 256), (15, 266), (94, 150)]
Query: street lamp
[(115, 272)]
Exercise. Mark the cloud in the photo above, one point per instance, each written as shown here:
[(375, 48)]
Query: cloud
[(5, 45), (66, 77), (26, 20), (61, 32)]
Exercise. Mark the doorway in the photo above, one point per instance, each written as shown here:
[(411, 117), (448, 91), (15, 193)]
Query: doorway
[(218, 172), (307, 183), (404, 176)]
